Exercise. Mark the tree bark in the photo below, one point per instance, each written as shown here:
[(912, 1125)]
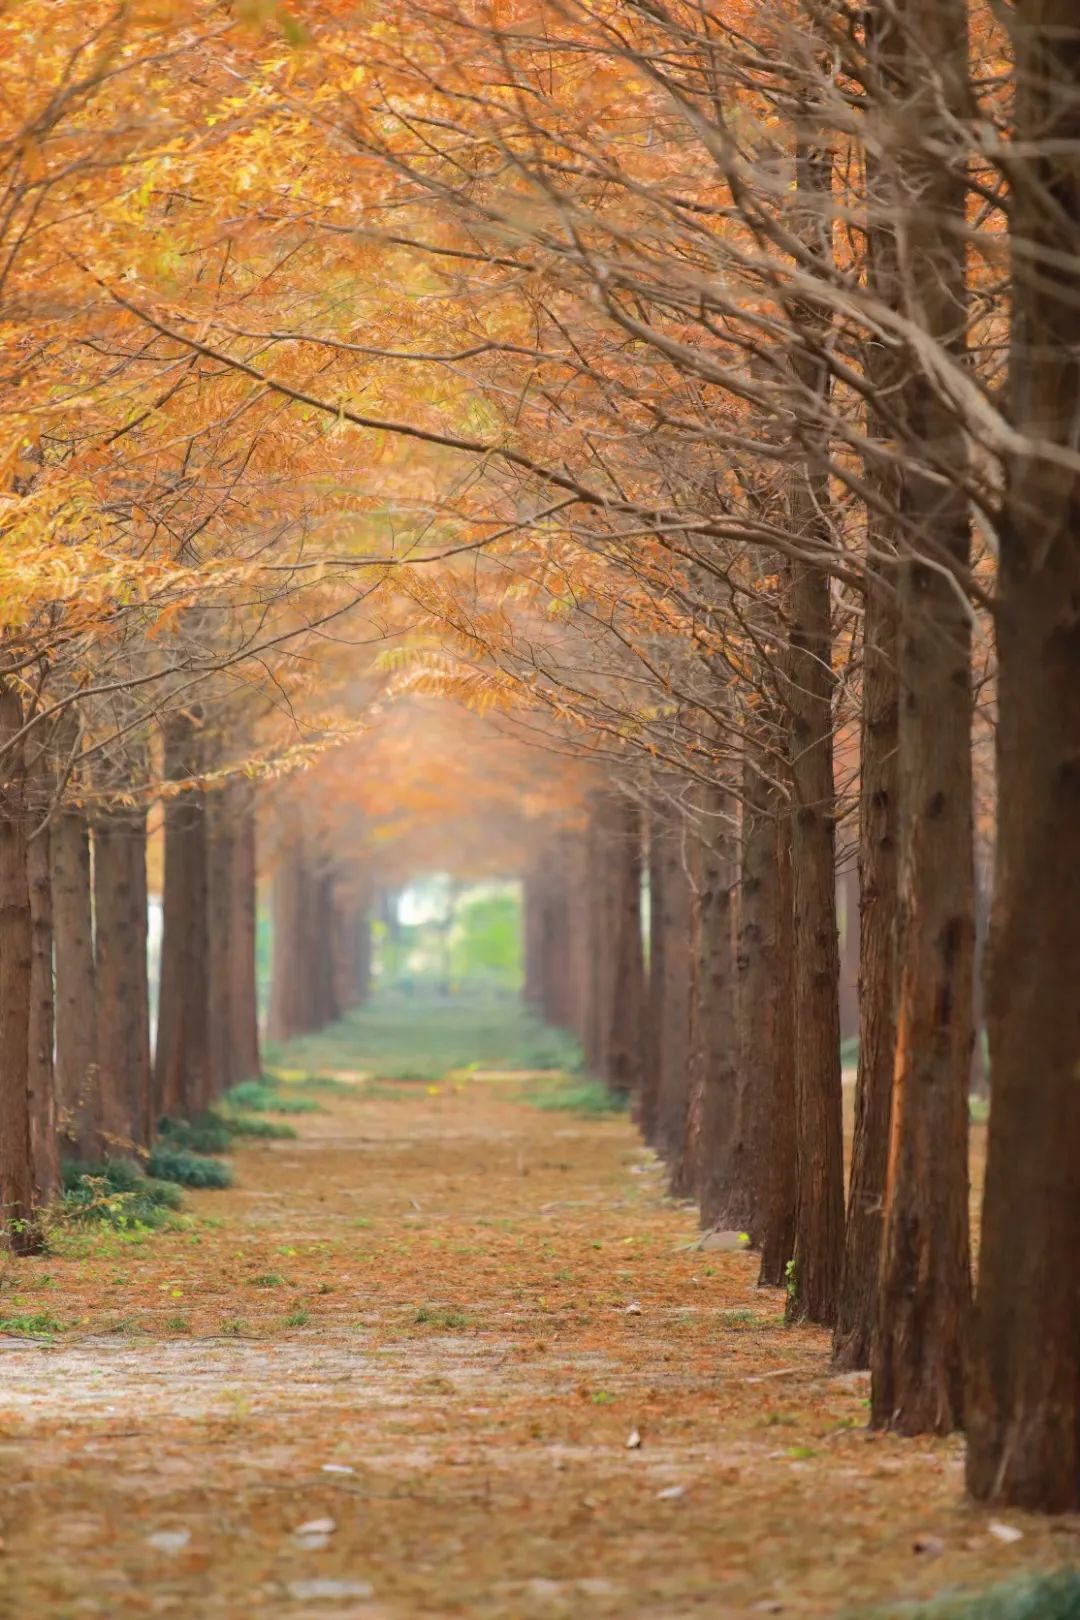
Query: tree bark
[(123, 995), (764, 1008), (1024, 1412), (181, 1062), (45, 1150), (243, 897), (78, 1092), (920, 1344), (724, 1194), (220, 888), (17, 1193), (877, 1026), (624, 1043), (676, 985)]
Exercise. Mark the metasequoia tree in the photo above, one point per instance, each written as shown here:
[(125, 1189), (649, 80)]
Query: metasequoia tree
[(1023, 1418)]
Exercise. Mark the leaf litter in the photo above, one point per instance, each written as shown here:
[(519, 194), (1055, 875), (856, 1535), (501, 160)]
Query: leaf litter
[(448, 1432)]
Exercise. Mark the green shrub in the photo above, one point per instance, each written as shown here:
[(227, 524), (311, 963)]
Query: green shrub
[(117, 1193), (168, 1163), (1031, 1597), (216, 1133)]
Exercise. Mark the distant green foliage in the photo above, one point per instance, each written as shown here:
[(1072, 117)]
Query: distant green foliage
[(849, 1052), (590, 1097), (485, 945), (1031, 1597), (117, 1193), (168, 1163), (266, 1097), (423, 1035)]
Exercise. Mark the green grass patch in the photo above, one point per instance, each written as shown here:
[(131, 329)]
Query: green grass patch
[(571, 1096), (444, 1316), (267, 1279), (186, 1169), (1030, 1597), (423, 1035), (35, 1325), (298, 1319), (263, 1097)]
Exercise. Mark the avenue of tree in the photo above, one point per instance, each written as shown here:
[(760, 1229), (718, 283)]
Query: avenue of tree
[(633, 446)]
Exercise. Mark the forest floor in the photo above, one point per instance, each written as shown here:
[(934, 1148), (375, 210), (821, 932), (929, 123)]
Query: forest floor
[(399, 1370)]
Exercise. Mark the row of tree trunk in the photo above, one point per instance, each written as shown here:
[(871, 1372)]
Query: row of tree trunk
[(77, 1077), (321, 933)]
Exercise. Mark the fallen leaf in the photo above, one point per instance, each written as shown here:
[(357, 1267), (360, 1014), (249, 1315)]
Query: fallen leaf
[(633, 1440), (169, 1541), (1004, 1532)]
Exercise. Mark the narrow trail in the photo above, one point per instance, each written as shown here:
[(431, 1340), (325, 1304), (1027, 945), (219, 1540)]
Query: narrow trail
[(410, 1330)]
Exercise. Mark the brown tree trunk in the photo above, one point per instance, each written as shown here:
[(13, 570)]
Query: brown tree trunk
[(625, 1006), (44, 1145), (123, 995), (78, 1092), (877, 1028), (17, 1197), (220, 899), (724, 1194), (181, 1062), (676, 986), (779, 1160), (649, 1095), (819, 1215), (919, 1348), (243, 1000), (1024, 1411)]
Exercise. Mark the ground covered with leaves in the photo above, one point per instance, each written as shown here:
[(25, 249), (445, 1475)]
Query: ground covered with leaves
[(449, 1350)]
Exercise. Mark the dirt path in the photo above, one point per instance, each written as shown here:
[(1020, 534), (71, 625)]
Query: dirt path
[(427, 1330)]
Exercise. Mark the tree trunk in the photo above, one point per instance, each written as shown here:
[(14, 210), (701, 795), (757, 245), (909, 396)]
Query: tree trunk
[(849, 955), (181, 1062), (220, 897), (724, 1195), (17, 1200), (123, 1023), (920, 1344), (763, 1006), (45, 1150), (649, 1095), (877, 1028), (78, 1092), (1024, 1412), (676, 985), (624, 1051), (243, 1000), (780, 1179)]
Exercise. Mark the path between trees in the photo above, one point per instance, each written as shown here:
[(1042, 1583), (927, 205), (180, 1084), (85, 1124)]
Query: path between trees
[(398, 1370)]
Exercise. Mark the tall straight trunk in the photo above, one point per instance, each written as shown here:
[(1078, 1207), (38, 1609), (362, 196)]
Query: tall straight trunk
[(877, 1027), (220, 885), (181, 1062), (780, 1180), (763, 1008), (243, 922), (917, 1362), (78, 1092), (17, 1193), (627, 984), (288, 1013), (600, 900), (123, 1022), (723, 1169), (649, 1095), (1024, 1412), (324, 1006), (819, 1213), (45, 1150), (532, 921), (676, 985)]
